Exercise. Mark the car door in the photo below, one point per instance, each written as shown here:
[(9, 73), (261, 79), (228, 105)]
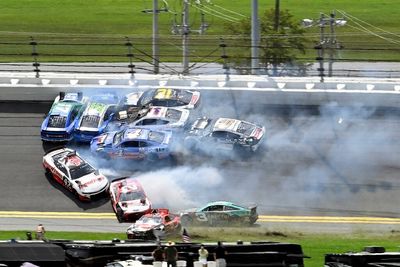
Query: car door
[(212, 215), (130, 149)]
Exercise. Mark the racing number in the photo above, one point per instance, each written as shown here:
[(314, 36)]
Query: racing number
[(201, 216), (163, 93)]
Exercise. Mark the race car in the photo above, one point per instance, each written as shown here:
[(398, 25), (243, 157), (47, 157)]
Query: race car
[(65, 166), (224, 134), (164, 118), (133, 143), (155, 225), (58, 126), (220, 213), (96, 116), (128, 199), (165, 97)]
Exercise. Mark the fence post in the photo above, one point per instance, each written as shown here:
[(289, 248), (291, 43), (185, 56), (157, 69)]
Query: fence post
[(130, 55), (35, 55), (224, 58)]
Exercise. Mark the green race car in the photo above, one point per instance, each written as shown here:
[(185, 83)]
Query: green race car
[(220, 213)]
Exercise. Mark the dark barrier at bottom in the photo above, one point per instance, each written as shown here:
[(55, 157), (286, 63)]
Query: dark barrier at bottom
[(99, 253)]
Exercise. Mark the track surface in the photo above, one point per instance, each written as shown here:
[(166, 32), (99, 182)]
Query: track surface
[(332, 161)]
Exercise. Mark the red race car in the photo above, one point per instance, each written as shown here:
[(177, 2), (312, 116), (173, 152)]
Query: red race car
[(155, 225), (128, 199)]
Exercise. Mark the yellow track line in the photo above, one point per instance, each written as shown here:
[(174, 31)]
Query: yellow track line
[(262, 218)]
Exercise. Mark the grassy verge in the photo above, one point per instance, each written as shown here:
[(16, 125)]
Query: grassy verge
[(95, 30), (314, 245)]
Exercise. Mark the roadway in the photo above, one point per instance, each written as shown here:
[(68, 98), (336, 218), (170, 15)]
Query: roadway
[(335, 162)]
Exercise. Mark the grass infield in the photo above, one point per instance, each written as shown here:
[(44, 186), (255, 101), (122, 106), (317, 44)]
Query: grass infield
[(61, 27)]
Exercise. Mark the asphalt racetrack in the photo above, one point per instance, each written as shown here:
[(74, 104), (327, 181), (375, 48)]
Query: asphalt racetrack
[(326, 161)]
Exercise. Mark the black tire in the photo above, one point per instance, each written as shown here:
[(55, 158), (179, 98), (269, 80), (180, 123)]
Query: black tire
[(186, 220), (120, 215), (48, 174)]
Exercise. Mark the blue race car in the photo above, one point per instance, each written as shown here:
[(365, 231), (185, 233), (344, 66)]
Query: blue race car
[(96, 116), (133, 143), (59, 123)]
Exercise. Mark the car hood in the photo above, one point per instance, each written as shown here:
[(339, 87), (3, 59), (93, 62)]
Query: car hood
[(103, 139), (134, 206), (144, 227), (91, 183)]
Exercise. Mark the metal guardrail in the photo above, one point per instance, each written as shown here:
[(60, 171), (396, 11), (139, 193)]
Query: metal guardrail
[(253, 90)]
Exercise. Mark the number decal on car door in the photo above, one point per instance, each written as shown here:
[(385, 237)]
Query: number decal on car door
[(201, 216)]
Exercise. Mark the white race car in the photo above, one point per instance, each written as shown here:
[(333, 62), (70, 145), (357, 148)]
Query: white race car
[(224, 134), (166, 97), (164, 118), (70, 170), (128, 199)]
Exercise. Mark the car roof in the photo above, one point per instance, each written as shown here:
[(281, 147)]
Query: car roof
[(225, 203), (136, 134), (159, 112), (95, 108), (70, 159), (226, 124)]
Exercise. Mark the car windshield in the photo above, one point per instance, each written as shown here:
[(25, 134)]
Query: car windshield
[(245, 128), (81, 171), (156, 136), (90, 121), (173, 114), (149, 220), (184, 96), (131, 195), (146, 97), (56, 121), (118, 137), (152, 122)]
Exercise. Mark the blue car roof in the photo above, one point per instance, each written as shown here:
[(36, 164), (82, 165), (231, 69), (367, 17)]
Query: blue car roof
[(136, 134), (107, 98)]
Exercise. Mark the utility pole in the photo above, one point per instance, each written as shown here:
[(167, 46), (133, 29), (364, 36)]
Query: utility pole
[(326, 42), (185, 37), (156, 59), (277, 12), (255, 37), (321, 47), (332, 43), (276, 29)]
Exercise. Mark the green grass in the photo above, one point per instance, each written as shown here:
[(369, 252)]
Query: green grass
[(77, 23), (314, 245)]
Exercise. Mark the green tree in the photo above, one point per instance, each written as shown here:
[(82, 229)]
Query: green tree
[(278, 47)]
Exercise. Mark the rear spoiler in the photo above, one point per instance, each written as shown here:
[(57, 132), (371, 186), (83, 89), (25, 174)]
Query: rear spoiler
[(120, 178)]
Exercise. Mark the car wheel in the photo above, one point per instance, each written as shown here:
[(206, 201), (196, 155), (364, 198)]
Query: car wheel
[(48, 174), (120, 215), (186, 220)]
